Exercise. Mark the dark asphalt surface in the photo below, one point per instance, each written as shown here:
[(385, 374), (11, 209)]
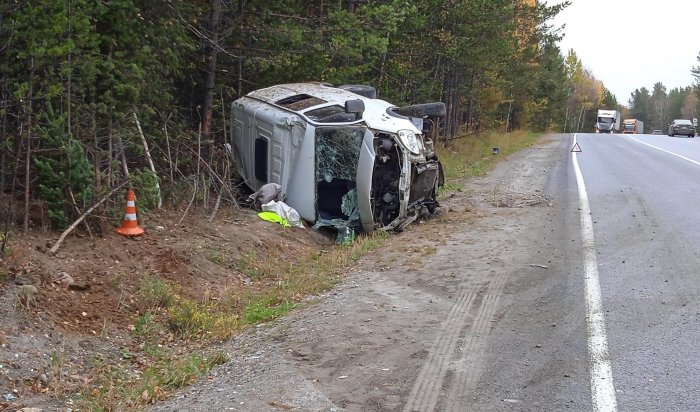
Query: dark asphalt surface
[(537, 358), (644, 204)]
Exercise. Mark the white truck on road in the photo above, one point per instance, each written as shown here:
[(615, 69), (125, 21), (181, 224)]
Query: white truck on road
[(608, 121)]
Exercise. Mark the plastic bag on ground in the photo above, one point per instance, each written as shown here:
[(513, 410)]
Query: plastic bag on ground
[(285, 211)]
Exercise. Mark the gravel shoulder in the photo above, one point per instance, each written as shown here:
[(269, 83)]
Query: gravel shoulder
[(419, 323)]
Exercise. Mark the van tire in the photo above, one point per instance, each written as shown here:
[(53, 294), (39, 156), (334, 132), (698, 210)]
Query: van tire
[(435, 109), (361, 89)]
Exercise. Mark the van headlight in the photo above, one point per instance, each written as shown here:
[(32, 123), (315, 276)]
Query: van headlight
[(409, 139)]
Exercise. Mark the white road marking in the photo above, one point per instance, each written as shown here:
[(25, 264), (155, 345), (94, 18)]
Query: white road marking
[(663, 150), (602, 389)]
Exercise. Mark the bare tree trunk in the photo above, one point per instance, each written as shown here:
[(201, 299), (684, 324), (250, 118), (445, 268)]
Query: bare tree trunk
[(382, 65), (578, 124), (211, 71), (28, 158), (125, 167), (239, 47), (196, 177), (510, 108), (4, 145), (96, 157), (167, 145), (451, 102), (150, 160), (471, 121), (239, 81), (110, 151), (70, 68)]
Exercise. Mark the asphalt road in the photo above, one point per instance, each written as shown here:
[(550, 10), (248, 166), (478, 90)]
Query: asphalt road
[(644, 194)]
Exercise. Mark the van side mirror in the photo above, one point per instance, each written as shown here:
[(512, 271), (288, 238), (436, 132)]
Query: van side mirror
[(355, 106)]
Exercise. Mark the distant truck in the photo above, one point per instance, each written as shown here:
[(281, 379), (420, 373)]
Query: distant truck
[(632, 126), (608, 121)]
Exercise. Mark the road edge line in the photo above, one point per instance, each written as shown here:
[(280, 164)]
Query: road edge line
[(602, 388)]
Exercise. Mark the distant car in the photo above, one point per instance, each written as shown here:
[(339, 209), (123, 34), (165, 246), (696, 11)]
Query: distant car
[(681, 126), (657, 131)]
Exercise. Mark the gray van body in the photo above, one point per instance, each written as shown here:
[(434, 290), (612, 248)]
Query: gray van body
[(363, 170)]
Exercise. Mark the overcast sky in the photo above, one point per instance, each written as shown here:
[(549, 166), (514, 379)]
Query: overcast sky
[(629, 44)]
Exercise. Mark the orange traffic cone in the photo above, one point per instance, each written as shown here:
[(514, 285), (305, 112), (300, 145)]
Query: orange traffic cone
[(130, 226)]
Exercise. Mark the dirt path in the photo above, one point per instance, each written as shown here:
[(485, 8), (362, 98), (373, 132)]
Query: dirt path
[(406, 330)]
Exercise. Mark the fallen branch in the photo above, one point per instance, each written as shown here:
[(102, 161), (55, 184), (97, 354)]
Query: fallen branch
[(77, 209), (65, 233), (538, 266)]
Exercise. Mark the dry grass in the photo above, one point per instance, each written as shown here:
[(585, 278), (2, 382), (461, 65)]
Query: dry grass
[(472, 155)]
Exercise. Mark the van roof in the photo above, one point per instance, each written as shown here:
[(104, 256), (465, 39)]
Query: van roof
[(305, 97)]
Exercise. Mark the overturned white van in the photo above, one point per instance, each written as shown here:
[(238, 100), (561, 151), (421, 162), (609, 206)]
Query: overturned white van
[(344, 159)]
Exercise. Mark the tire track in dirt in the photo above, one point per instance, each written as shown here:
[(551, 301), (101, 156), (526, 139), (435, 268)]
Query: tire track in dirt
[(445, 356), (475, 341), (425, 391), (468, 374)]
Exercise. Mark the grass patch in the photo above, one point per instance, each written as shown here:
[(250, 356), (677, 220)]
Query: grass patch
[(147, 325), (122, 390), (472, 155), (154, 292), (201, 320), (265, 311), (254, 266), (214, 256)]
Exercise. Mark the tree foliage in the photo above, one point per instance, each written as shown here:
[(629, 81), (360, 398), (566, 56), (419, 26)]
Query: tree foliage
[(178, 64)]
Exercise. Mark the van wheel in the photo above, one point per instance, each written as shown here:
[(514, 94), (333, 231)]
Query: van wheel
[(435, 109), (361, 89)]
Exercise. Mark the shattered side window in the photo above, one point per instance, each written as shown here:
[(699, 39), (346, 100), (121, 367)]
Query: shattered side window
[(330, 114), (337, 152), (300, 102)]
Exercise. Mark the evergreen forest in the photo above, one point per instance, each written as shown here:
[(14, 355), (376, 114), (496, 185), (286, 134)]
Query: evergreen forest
[(98, 94)]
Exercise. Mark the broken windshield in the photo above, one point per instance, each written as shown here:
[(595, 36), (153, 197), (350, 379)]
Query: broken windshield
[(337, 152), (337, 157)]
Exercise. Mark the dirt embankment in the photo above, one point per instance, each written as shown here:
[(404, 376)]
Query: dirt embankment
[(89, 296), (356, 347)]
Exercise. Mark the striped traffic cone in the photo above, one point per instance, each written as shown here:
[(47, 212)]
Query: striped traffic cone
[(130, 226)]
